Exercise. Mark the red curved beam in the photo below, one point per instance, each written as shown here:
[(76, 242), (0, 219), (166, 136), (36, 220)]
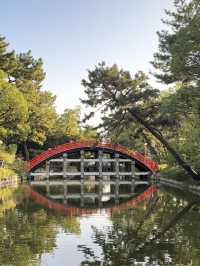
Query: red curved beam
[(150, 164), (134, 201), (76, 211)]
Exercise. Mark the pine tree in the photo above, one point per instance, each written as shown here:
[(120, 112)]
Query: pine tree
[(178, 58), (123, 98)]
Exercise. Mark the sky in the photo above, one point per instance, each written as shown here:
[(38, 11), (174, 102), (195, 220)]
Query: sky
[(72, 36)]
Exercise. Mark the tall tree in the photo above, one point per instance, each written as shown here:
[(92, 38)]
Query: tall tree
[(178, 58), (119, 95), (28, 76), (177, 62)]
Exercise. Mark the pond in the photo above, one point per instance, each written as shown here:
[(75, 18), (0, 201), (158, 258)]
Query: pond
[(152, 226)]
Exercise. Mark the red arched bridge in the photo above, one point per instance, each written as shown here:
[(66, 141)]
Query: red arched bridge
[(88, 171), (91, 158)]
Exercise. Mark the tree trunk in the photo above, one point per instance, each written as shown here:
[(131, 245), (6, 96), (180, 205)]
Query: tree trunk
[(176, 218), (172, 223), (165, 143), (25, 151)]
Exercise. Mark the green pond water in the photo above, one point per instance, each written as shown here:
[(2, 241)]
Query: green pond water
[(154, 226)]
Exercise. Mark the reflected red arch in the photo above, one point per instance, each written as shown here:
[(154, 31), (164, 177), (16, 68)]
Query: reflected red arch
[(135, 201), (150, 164), (76, 211)]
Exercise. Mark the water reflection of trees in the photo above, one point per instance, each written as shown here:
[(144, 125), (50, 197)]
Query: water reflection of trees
[(28, 231), (6, 199), (163, 231)]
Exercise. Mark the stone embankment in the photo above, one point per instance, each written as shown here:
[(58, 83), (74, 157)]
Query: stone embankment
[(177, 184)]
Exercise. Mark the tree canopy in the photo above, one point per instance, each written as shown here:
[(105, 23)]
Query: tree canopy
[(179, 45)]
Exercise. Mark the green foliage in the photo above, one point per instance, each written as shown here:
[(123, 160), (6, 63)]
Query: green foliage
[(13, 110), (6, 199), (189, 140), (114, 91), (70, 224), (7, 156), (179, 47), (19, 166), (88, 132), (69, 123), (41, 111), (7, 58)]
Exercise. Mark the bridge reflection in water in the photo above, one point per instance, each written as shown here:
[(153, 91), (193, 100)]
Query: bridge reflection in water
[(74, 197)]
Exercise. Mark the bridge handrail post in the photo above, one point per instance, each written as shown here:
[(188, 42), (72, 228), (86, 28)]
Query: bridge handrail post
[(117, 178)]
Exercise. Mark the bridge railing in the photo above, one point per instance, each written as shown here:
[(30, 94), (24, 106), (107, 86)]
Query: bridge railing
[(150, 164)]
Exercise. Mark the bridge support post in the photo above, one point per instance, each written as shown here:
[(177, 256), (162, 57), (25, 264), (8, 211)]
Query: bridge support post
[(100, 177), (65, 176), (65, 165), (47, 177), (29, 177), (65, 191), (133, 177), (82, 177)]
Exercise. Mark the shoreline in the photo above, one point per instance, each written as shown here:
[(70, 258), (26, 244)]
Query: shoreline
[(177, 184)]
